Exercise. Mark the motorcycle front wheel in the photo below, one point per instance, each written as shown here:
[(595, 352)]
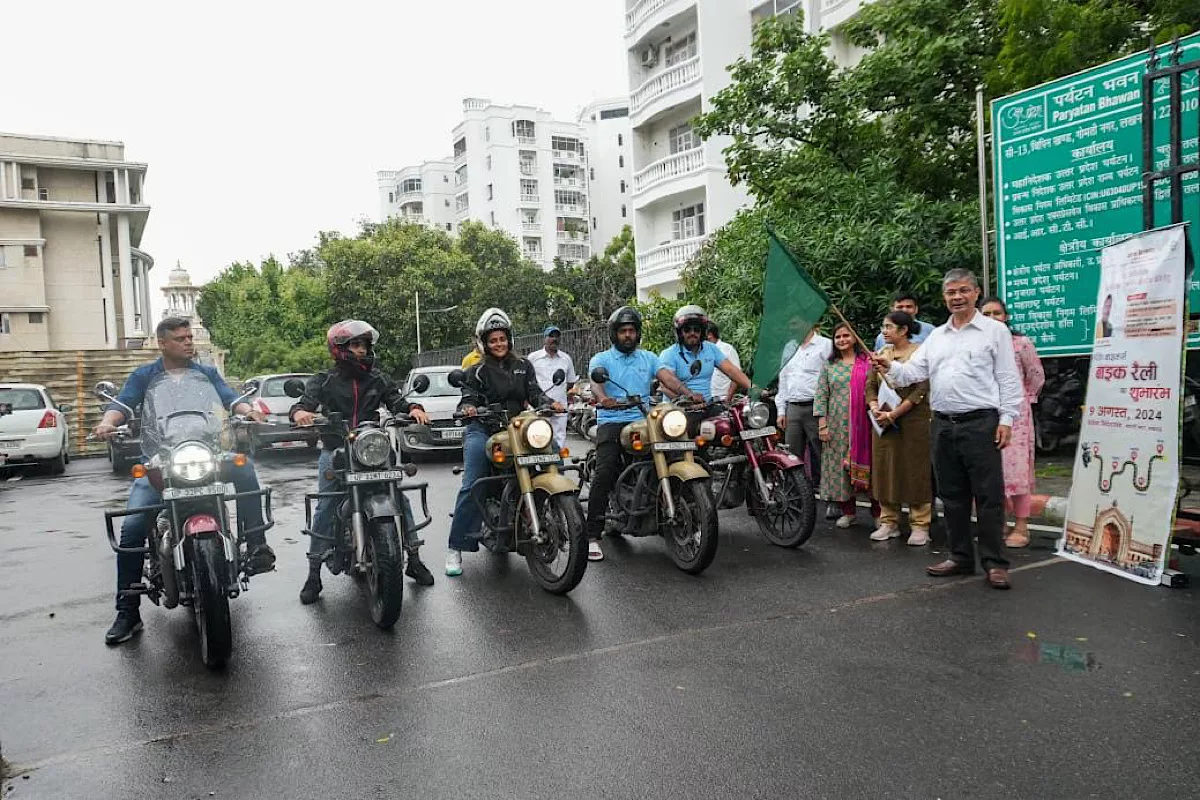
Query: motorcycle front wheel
[(788, 518), (559, 562), (385, 574), (692, 536), (211, 603)]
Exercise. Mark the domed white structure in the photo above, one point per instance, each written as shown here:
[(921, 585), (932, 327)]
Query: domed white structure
[(182, 297)]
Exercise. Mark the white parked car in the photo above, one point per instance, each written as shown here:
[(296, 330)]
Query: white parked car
[(33, 430), (440, 401)]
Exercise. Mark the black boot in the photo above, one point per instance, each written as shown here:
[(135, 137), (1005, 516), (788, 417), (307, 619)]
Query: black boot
[(259, 557), (312, 587), (127, 623), (417, 570)]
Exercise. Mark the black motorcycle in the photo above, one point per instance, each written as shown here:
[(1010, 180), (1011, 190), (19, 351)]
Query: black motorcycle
[(1058, 414), (370, 526), (194, 558)]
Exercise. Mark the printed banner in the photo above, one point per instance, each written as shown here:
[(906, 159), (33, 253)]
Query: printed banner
[(1122, 505)]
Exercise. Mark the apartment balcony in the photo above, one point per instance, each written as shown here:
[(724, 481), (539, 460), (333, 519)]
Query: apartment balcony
[(667, 89), (532, 255), (531, 227), (571, 209), (528, 169), (530, 199), (835, 12), (667, 260), (411, 219), (570, 183), (527, 140), (572, 237), (410, 197), (568, 156), (665, 171), (645, 15)]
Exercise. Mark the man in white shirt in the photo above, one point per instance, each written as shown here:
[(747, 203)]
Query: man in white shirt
[(545, 363), (904, 301), (722, 386), (975, 394), (797, 389)]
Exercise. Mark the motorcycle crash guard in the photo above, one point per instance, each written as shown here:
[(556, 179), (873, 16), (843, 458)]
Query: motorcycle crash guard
[(687, 471), (553, 483)]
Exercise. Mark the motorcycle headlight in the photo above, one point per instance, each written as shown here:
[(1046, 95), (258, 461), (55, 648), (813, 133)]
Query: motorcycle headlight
[(192, 462), (372, 448), (538, 434), (674, 423), (758, 415)]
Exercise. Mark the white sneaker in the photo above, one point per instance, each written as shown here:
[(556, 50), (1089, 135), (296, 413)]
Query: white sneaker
[(885, 532), (594, 551), (844, 521), (919, 537), (453, 563)]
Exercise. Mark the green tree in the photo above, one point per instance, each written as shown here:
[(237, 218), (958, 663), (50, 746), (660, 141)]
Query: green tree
[(585, 294)]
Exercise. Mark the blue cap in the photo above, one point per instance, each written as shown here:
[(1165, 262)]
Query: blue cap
[(551, 329)]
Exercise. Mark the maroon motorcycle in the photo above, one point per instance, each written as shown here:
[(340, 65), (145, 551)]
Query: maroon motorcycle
[(749, 466)]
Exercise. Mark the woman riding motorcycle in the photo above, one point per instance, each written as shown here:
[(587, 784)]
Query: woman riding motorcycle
[(500, 377)]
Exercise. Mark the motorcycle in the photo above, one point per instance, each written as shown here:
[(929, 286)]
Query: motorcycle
[(526, 503), (369, 522), (661, 489), (1058, 414), (750, 468), (193, 558), (581, 413)]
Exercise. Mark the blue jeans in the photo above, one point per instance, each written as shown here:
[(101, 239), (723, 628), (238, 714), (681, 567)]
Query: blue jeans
[(326, 513), (135, 527), (465, 529)]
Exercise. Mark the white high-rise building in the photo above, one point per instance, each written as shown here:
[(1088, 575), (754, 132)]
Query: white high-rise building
[(678, 53), (422, 194), (610, 167)]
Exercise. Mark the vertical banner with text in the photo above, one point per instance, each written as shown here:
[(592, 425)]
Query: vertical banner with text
[(1122, 504)]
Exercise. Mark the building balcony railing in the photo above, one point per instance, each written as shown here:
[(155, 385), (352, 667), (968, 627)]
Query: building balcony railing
[(573, 209), (571, 156), (572, 236), (670, 79), (532, 255), (409, 197), (673, 166), (531, 227), (528, 169), (642, 9), (411, 219), (670, 256), (578, 182), (530, 198), (526, 139)]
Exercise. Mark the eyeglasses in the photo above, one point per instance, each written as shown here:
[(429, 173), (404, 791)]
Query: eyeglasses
[(693, 329), (958, 292)]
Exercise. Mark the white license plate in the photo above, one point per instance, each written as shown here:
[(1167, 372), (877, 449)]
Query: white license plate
[(542, 459), (759, 433), (450, 433), (9, 442), (674, 445), (373, 477), (184, 492)]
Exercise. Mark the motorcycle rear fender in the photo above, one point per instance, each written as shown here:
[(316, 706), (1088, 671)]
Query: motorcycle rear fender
[(554, 483), (780, 459), (687, 471), (377, 506)]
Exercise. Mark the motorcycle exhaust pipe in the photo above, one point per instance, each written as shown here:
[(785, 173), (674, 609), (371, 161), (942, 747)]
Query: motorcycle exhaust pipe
[(358, 529), (166, 564)]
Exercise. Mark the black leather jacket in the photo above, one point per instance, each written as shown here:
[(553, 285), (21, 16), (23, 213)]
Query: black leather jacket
[(356, 395), (511, 382)]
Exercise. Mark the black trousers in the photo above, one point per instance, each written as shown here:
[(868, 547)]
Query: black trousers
[(608, 469), (803, 437), (969, 470)]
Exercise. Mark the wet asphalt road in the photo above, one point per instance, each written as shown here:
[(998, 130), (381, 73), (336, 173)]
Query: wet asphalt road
[(838, 670)]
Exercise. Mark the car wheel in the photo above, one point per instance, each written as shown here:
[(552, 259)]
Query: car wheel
[(58, 464)]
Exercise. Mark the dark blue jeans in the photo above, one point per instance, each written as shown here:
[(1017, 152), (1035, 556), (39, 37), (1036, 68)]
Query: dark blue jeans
[(465, 529), (136, 526), (326, 513)]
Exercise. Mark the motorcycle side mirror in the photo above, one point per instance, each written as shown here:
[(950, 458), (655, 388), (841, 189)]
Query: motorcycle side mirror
[(293, 387), (105, 390), (559, 377), (420, 384), (599, 375), (655, 386), (456, 378), (695, 368), (251, 386)]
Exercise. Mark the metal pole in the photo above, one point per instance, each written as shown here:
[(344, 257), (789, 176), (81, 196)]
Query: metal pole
[(981, 145), (418, 296)]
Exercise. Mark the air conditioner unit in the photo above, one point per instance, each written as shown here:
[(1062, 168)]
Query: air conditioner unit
[(649, 56)]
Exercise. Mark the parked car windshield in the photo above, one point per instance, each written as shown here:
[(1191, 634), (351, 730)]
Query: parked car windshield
[(25, 399), (438, 385)]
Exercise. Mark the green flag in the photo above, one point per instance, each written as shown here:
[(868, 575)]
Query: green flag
[(793, 304)]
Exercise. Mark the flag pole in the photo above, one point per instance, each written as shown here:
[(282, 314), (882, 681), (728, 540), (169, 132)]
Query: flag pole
[(833, 307)]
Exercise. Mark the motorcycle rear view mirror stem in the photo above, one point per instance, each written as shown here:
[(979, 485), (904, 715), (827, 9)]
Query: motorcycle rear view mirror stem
[(107, 390), (600, 375)]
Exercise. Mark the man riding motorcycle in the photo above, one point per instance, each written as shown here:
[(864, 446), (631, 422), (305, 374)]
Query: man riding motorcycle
[(691, 346), (177, 347), (355, 389), (500, 377), (631, 371)]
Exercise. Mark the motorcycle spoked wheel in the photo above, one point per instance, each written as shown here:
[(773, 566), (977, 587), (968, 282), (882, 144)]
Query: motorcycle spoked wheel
[(788, 520), (385, 573), (558, 563), (210, 602), (692, 536)]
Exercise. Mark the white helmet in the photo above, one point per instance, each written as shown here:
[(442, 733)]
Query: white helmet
[(493, 319)]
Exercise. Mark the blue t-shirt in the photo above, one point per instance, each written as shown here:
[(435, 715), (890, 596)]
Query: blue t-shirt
[(679, 360), (134, 391), (634, 371)]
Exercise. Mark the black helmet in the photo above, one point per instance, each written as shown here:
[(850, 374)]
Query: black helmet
[(625, 315)]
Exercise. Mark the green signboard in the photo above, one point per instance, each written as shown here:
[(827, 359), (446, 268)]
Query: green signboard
[(1068, 182)]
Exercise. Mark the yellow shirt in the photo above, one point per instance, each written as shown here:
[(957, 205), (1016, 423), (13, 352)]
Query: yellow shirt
[(472, 358)]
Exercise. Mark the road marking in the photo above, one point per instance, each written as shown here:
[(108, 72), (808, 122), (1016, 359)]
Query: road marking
[(475, 677)]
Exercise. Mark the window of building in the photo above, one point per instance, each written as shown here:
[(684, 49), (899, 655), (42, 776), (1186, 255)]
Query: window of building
[(682, 138), (688, 223), (410, 185), (681, 50), (462, 202), (524, 130), (36, 317), (447, 204), (31, 251), (567, 144), (460, 175), (5, 324), (391, 198), (568, 198), (622, 212), (493, 216), (110, 192), (529, 190), (449, 226), (3, 256), (620, 140), (43, 193), (621, 162), (489, 163), (28, 184), (487, 133), (622, 187), (614, 113), (594, 226), (460, 148), (489, 192), (592, 171)]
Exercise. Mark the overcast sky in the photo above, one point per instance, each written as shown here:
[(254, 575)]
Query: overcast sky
[(264, 122)]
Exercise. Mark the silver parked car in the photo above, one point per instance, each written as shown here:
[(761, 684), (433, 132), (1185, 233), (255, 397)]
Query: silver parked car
[(439, 401), (274, 402)]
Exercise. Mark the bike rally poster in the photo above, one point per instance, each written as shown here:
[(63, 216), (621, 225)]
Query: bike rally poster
[(1121, 509)]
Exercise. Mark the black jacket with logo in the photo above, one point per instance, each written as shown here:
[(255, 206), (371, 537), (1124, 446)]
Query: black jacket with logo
[(356, 395), (511, 382)]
